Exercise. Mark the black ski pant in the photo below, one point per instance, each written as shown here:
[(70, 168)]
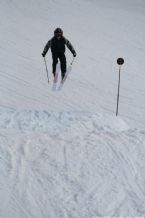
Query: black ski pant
[(62, 58)]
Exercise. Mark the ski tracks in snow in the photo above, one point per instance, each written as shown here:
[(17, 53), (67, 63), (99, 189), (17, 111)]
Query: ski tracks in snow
[(70, 165)]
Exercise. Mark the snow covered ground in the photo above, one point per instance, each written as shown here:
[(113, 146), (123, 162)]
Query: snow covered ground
[(70, 165), (101, 31), (64, 153)]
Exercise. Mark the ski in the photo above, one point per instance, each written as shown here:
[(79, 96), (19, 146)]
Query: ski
[(65, 77), (54, 86)]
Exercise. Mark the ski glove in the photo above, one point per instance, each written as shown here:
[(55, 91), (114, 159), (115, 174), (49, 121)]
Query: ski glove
[(43, 54), (74, 54)]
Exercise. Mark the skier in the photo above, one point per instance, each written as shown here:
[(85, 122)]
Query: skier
[(57, 45)]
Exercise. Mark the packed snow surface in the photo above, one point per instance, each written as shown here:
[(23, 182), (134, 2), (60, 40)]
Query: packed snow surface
[(70, 164), (100, 31), (64, 153)]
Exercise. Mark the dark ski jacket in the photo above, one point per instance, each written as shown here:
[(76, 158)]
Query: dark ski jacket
[(58, 45)]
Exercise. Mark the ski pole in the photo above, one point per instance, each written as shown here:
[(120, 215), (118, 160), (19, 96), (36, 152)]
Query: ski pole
[(46, 69), (72, 61)]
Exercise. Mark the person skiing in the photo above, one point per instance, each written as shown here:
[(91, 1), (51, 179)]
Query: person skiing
[(57, 44)]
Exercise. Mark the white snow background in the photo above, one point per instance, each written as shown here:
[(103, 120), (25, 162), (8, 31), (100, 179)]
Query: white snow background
[(65, 153)]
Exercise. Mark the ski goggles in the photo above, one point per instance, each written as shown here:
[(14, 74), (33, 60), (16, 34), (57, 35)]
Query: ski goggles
[(57, 34)]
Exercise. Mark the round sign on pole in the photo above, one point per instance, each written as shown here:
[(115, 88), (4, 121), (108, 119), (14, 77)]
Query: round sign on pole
[(120, 61)]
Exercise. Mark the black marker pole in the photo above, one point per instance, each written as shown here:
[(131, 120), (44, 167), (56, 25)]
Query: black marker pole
[(120, 62)]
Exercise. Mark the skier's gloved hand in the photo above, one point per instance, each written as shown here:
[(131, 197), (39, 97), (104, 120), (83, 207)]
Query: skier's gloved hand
[(43, 54), (74, 54)]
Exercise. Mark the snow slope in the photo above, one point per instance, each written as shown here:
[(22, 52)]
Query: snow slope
[(70, 165), (101, 31), (65, 154)]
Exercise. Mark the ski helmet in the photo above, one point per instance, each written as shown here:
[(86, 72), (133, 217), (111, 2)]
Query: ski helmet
[(58, 31)]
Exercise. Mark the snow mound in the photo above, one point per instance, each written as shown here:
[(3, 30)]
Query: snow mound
[(35, 120), (69, 165)]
